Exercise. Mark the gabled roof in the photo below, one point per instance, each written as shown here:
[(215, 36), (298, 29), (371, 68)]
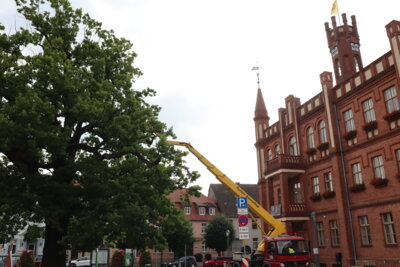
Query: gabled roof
[(177, 197), (226, 200)]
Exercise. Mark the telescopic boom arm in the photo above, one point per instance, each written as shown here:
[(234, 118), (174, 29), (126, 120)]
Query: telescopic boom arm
[(279, 227)]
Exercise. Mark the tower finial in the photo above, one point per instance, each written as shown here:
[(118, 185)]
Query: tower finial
[(257, 68)]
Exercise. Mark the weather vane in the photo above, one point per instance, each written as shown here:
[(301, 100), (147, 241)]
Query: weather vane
[(257, 68)]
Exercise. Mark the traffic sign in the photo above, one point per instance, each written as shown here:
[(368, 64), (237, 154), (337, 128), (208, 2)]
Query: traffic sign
[(242, 203), (244, 236), (243, 211), (243, 220), (243, 229)]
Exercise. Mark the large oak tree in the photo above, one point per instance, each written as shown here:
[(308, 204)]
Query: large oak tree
[(77, 144)]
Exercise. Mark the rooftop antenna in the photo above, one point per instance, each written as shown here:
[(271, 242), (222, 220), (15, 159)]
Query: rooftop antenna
[(257, 68)]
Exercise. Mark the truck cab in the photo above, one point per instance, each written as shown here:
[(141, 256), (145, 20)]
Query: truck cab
[(284, 250)]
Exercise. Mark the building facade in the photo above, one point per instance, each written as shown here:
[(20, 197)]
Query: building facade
[(226, 202), (330, 167), (199, 211)]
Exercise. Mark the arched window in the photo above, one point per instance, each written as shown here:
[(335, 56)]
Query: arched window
[(293, 146), (322, 132), (269, 154), (310, 137), (277, 150)]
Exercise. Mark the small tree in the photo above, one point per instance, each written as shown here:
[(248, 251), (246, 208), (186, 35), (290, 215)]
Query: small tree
[(216, 230), (177, 230), (207, 257)]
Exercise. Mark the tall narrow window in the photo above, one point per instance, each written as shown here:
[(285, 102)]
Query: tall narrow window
[(315, 183), (369, 113), (357, 64), (388, 228), (391, 101), (320, 234), (310, 137), (269, 154), (379, 170), (322, 132), (349, 120), (334, 233), (203, 228), (203, 246), (328, 181), (365, 230), (357, 176), (297, 197), (277, 150), (338, 68), (293, 146)]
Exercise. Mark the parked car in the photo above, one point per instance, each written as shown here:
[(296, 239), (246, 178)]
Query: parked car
[(187, 261), (84, 261)]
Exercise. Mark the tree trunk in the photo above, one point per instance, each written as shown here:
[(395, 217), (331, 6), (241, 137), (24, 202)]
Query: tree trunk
[(53, 252)]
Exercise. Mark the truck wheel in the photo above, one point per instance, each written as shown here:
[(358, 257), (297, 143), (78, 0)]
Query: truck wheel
[(236, 264), (266, 264)]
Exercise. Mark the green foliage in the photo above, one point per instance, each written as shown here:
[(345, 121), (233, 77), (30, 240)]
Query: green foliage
[(77, 144), (33, 232), (207, 257), (118, 257), (145, 258), (177, 230), (26, 259), (215, 236), (199, 257)]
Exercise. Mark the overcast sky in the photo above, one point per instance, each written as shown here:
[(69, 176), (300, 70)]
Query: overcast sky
[(198, 56)]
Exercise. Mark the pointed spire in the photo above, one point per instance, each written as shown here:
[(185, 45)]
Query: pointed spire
[(260, 112)]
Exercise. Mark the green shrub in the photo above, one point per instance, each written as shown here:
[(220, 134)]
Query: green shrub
[(145, 258), (199, 257), (207, 256)]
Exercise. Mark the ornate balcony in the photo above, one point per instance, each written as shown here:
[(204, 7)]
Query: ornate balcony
[(284, 161)]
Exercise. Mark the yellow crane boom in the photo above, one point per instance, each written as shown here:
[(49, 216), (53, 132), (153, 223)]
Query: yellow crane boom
[(278, 226)]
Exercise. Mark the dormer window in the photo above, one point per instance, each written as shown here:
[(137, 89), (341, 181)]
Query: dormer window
[(187, 210), (211, 211), (202, 211)]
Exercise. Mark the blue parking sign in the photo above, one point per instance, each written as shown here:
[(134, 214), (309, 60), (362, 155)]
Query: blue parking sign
[(242, 203)]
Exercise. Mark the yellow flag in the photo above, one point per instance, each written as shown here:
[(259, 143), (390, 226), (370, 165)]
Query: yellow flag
[(335, 9)]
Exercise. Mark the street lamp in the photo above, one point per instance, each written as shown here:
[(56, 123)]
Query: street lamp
[(227, 240)]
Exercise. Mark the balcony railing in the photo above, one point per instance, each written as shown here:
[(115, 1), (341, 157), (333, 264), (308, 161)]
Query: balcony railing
[(291, 210), (284, 161)]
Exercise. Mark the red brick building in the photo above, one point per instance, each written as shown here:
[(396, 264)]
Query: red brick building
[(330, 167), (199, 212)]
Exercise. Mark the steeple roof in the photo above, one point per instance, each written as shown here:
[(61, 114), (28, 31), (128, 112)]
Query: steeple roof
[(261, 111)]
